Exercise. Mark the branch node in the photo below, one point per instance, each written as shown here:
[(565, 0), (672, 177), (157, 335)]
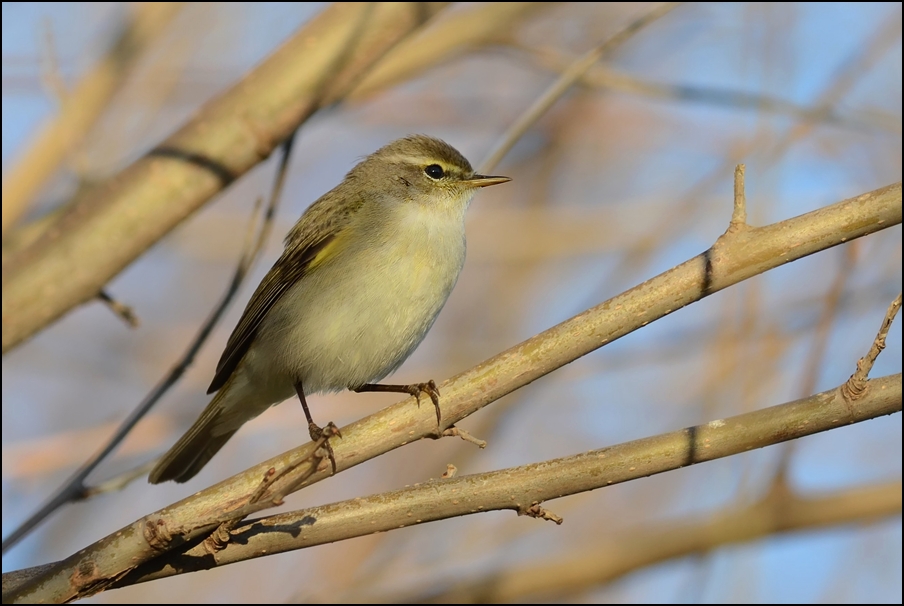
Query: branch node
[(535, 511), (219, 538), (158, 534), (451, 472)]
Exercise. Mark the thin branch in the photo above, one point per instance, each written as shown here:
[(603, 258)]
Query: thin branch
[(464, 435), (51, 74), (605, 77), (566, 81), (676, 217), (123, 311), (857, 385), (820, 346), (851, 71)]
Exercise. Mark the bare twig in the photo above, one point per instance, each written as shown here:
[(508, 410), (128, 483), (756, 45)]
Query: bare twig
[(739, 214), (125, 312), (847, 74), (515, 488), (464, 435), (606, 77), (819, 347), (474, 25), (856, 386), (264, 497), (676, 217), (535, 511), (566, 81), (51, 74)]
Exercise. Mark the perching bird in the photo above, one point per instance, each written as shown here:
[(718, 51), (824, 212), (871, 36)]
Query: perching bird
[(365, 271)]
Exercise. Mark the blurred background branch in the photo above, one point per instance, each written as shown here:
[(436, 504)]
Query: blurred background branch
[(81, 107)]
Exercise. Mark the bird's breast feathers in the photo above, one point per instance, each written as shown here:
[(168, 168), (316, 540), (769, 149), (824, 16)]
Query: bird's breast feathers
[(366, 303)]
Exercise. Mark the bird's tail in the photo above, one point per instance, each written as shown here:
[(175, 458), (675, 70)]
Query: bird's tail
[(197, 446)]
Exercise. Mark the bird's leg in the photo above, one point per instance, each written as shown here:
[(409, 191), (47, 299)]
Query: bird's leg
[(315, 431), (415, 390)]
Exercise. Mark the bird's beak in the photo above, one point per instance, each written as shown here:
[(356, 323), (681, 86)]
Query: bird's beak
[(485, 181)]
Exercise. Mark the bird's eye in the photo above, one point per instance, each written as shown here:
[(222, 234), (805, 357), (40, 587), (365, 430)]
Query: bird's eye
[(434, 171)]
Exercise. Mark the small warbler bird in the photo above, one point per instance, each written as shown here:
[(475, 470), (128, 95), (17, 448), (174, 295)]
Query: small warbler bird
[(365, 272)]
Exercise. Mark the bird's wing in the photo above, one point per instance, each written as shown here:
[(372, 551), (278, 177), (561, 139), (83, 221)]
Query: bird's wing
[(311, 236)]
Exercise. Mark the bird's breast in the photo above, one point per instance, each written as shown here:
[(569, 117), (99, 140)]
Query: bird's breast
[(358, 315)]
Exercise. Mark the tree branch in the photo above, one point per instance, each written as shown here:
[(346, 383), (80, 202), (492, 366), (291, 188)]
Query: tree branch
[(520, 489)]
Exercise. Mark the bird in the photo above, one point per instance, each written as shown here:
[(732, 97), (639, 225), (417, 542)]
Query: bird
[(364, 274)]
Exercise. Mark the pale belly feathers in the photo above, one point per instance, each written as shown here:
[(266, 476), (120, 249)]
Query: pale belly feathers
[(340, 328)]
